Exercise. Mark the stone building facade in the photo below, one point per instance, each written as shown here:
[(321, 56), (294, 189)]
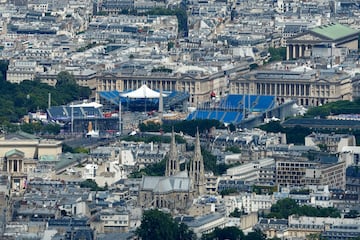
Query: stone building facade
[(323, 41), (198, 84)]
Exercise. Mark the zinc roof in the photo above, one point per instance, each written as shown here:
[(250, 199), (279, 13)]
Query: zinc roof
[(165, 184), (334, 31)]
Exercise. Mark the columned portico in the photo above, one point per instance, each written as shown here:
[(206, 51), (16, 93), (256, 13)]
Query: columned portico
[(294, 51), (14, 167)]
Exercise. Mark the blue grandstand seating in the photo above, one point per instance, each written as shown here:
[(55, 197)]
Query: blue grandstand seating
[(264, 102), (218, 115), (231, 102), (76, 112), (64, 112), (57, 113), (190, 116), (92, 112), (252, 99), (232, 108), (239, 118), (112, 96), (222, 116), (230, 117), (202, 114)]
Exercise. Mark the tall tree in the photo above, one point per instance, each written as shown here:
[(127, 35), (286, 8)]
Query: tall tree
[(231, 233), (159, 225), (256, 235), (65, 78)]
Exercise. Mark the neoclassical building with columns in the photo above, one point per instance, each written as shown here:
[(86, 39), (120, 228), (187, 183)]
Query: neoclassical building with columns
[(19, 155), (331, 41), (308, 86), (196, 81)]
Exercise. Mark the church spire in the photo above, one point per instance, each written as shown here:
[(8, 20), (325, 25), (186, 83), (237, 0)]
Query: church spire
[(197, 168), (172, 165)]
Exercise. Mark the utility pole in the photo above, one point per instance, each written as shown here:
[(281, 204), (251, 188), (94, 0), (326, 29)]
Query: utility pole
[(120, 127), (72, 119)]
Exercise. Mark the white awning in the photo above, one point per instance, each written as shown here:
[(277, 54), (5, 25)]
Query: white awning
[(86, 104), (143, 92)]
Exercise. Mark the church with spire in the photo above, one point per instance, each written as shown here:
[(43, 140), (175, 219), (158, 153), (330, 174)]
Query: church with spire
[(177, 188), (173, 163), (197, 168)]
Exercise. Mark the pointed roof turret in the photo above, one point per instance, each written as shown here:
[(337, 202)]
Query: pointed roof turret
[(173, 165), (197, 168), (197, 153)]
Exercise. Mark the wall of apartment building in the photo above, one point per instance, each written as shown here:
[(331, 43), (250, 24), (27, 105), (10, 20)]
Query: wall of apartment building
[(292, 173), (334, 175), (50, 148), (353, 45)]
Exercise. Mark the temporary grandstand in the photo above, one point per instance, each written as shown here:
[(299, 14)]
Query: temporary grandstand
[(75, 111), (77, 117), (143, 99), (237, 109)]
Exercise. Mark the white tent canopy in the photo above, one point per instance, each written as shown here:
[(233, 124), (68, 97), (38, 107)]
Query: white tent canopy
[(143, 92), (87, 104)]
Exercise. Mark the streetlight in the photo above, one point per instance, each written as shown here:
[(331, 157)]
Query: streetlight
[(120, 116)]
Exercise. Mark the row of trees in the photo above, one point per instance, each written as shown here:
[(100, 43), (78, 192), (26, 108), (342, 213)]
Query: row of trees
[(3, 68), (16, 100), (153, 138), (233, 233), (36, 128), (335, 108), (295, 135), (187, 127), (180, 13), (277, 54), (286, 207), (159, 225)]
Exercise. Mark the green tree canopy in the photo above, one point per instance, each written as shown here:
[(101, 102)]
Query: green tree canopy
[(89, 183), (236, 213), (231, 233), (65, 78), (16, 100), (277, 54), (159, 225), (178, 12), (3, 68), (155, 169), (294, 135), (335, 108), (187, 127), (256, 235), (286, 207)]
